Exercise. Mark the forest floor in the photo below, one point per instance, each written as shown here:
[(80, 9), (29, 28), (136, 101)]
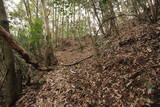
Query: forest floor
[(129, 77)]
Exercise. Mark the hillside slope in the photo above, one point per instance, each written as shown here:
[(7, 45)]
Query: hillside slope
[(130, 75)]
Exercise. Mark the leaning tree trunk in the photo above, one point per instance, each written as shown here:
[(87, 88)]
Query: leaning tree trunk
[(50, 57), (9, 62)]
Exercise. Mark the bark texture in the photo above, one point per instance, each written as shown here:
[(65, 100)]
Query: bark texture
[(9, 62)]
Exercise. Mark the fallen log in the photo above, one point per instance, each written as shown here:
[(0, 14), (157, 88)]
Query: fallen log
[(21, 51)]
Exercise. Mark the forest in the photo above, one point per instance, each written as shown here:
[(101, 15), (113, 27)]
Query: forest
[(79, 53)]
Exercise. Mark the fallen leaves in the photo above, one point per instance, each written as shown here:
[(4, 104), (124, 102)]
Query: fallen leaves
[(130, 75)]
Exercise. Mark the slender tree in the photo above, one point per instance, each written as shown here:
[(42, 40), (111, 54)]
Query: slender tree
[(28, 11), (50, 57)]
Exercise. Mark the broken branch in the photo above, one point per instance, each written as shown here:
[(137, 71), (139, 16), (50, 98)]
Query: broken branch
[(21, 51), (77, 62)]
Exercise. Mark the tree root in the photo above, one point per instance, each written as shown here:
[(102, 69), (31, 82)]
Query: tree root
[(77, 62)]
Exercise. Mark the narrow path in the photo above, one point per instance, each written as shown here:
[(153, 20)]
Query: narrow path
[(54, 92)]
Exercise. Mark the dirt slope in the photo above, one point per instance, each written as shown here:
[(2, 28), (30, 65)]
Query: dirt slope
[(130, 75)]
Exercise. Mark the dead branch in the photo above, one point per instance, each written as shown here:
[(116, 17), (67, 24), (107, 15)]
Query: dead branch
[(77, 62), (21, 51)]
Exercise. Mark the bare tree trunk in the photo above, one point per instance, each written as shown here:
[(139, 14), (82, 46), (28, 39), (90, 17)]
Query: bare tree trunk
[(28, 11), (112, 21), (153, 8), (62, 27), (56, 25), (50, 57), (68, 24), (79, 26), (11, 92), (74, 21), (37, 8), (94, 45), (97, 16), (89, 22)]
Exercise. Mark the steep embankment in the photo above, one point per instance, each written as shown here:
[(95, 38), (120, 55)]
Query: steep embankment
[(130, 75)]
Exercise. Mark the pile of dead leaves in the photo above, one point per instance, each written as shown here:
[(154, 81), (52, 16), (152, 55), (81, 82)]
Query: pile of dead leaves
[(131, 73)]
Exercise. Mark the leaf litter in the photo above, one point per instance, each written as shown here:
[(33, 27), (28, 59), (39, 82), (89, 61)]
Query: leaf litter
[(129, 78)]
